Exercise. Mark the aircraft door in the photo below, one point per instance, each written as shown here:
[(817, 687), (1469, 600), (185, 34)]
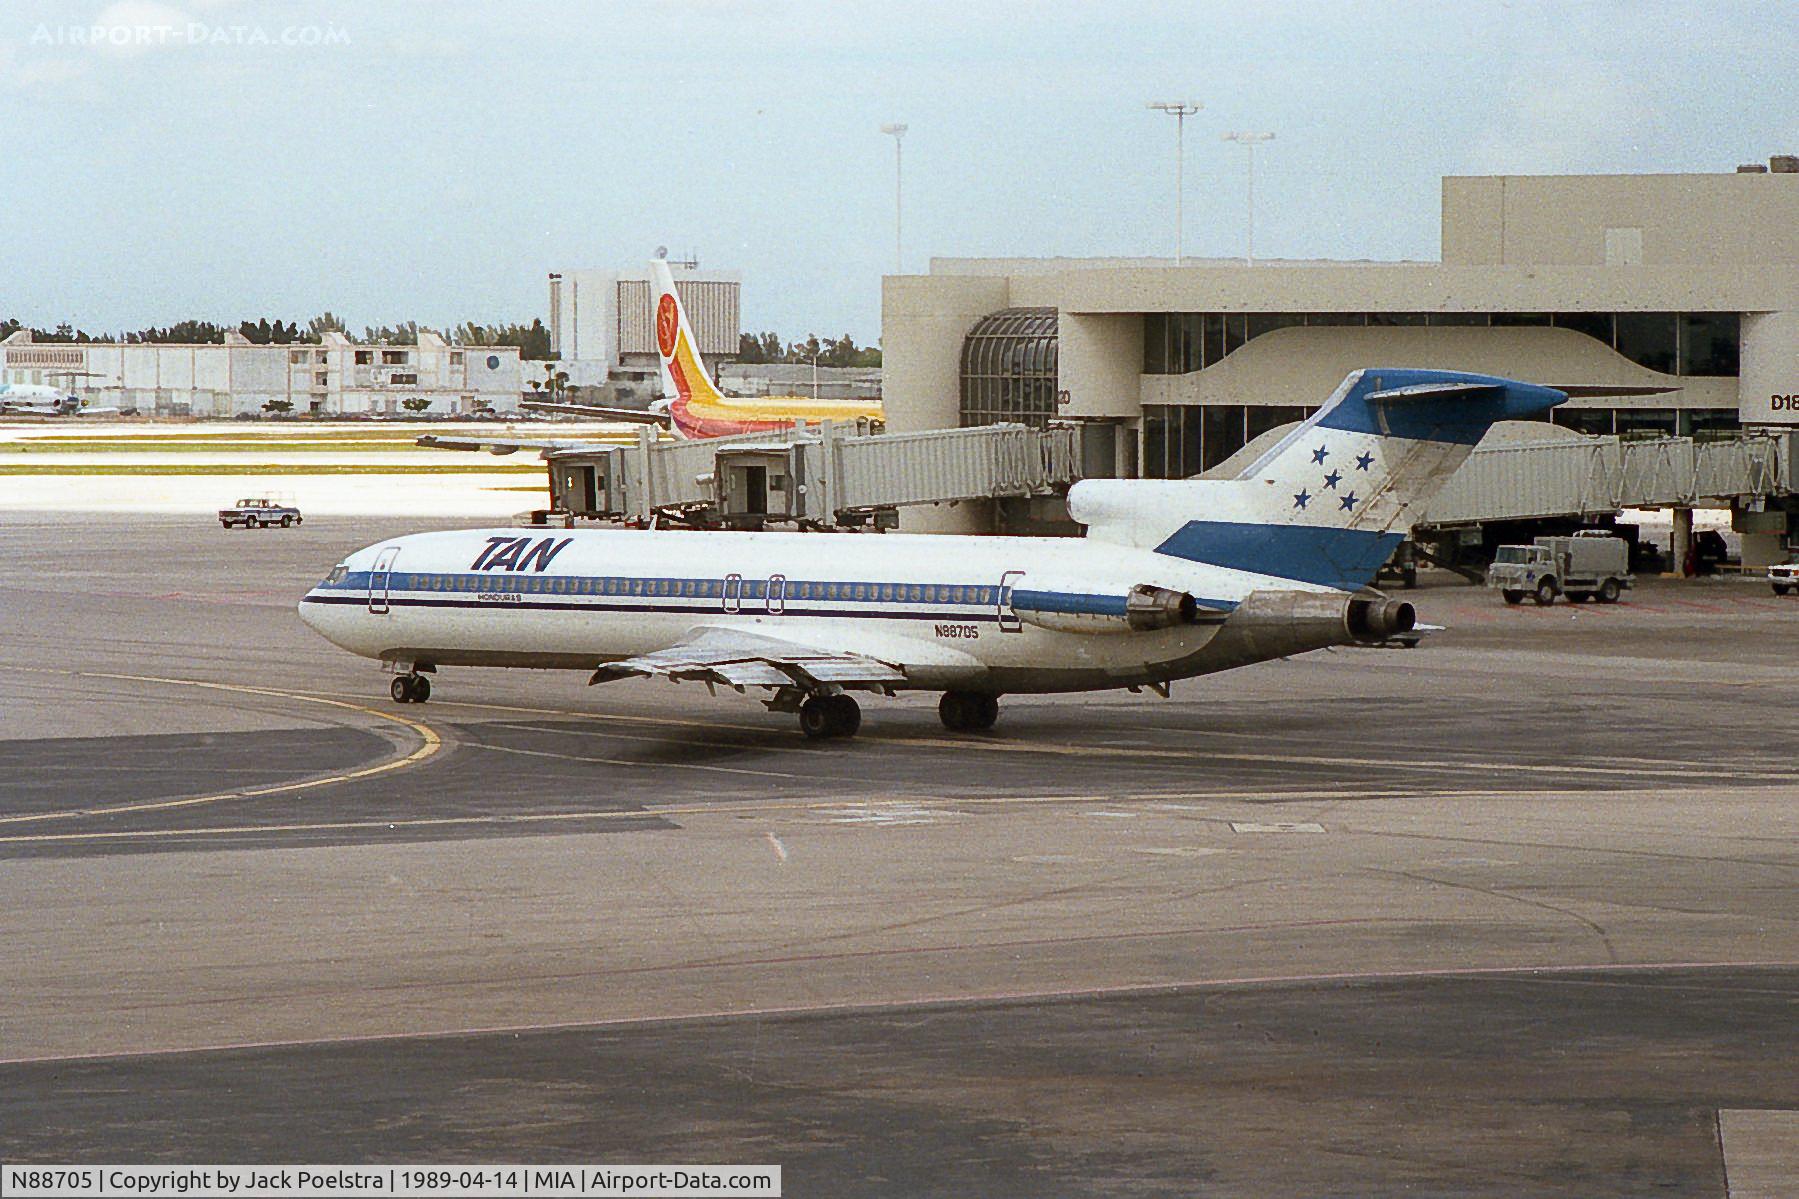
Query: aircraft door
[(1008, 619), (777, 594), (733, 596), (380, 579)]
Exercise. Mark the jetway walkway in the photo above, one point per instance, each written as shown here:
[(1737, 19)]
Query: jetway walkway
[(845, 476), (1598, 476), (825, 475)]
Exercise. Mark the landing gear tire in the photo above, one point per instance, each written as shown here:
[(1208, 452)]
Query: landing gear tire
[(845, 715), (1512, 597), (968, 711), (410, 689), (1610, 591), (824, 716), (1544, 595)]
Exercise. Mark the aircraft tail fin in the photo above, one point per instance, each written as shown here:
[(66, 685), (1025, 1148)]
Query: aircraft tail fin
[(1328, 503), (684, 376)]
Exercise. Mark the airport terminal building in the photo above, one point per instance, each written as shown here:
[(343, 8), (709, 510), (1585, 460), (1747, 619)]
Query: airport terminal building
[(1689, 282)]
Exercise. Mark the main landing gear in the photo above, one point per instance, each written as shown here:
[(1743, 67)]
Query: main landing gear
[(410, 689), (824, 716), (968, 711)]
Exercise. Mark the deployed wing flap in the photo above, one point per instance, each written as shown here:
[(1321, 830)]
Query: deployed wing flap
[(739, 658)]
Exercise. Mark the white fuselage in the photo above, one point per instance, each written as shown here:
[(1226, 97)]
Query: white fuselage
[(937, 608)]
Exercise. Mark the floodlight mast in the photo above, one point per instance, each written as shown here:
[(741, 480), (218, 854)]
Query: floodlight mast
[(1250, 141), (897, 132), (1180, 110)]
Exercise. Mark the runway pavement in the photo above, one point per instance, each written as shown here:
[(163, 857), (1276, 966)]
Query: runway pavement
[(1511, 913)]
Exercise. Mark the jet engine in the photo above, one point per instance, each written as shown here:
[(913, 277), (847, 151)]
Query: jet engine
[(1073, 607), (1376, 618)]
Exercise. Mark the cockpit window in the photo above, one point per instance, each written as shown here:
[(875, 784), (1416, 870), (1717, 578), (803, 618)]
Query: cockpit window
[(337, 573)]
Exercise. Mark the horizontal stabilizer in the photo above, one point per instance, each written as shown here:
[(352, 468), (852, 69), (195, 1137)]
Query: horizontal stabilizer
[(1589, 390), (1419, 392)]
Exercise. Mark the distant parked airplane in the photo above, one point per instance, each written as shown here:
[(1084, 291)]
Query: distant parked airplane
[(37, 399), (694, 407), (1175, 578)]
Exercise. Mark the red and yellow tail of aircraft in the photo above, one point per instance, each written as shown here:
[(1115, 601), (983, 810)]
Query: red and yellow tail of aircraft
[(697, 408)]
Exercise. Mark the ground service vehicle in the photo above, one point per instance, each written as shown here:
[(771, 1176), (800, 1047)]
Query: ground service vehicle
[(1585, 566), (255, 513), (1784, 577)]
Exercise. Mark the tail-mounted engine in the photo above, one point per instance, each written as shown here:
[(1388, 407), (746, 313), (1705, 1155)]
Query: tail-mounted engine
[(1376, 618), (1102, 608)]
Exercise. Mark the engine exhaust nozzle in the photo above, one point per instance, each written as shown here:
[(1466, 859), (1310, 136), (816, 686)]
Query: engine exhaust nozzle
[(1379, 619)]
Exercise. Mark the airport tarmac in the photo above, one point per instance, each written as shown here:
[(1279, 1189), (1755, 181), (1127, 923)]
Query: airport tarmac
[(1511, 913)]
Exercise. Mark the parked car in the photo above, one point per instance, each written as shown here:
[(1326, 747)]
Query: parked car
[(1784, 577)]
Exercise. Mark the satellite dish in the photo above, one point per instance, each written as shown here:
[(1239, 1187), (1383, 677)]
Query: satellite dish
[(662, 251)]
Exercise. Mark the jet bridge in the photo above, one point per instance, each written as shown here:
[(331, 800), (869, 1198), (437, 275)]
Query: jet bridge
[(844, 476), (818, 476), (1580, 476)]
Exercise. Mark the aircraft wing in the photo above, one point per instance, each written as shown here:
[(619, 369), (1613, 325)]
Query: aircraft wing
[(739, 658), (499, 446), (636, 416)]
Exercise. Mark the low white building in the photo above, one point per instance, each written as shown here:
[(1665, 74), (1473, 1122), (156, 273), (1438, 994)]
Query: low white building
[(337, 377)]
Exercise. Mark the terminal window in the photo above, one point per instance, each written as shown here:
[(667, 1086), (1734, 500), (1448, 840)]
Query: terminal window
[(1693, 343), (1181, 440), (1009, 368)]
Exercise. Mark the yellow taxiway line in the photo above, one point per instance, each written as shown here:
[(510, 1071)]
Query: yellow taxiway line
[(429, 744)]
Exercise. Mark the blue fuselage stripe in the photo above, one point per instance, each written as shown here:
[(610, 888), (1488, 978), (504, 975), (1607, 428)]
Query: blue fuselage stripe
[(1081, 603)]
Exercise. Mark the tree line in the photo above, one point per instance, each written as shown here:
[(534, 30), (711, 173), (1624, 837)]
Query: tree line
[(842, 351), (533, 340)]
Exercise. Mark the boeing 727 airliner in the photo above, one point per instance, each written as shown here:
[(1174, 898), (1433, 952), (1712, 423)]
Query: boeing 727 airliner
[(1175, 578)]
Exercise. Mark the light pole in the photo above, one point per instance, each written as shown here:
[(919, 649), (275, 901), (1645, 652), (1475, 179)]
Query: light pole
[(1181, 109), (897, 132), (1250, 141)]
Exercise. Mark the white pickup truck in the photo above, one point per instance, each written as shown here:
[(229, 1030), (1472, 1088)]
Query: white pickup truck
[(257, 512), (1584, 566), (1784, 577)]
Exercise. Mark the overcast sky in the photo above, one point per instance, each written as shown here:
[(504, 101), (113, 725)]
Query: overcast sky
[(433, 161)]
